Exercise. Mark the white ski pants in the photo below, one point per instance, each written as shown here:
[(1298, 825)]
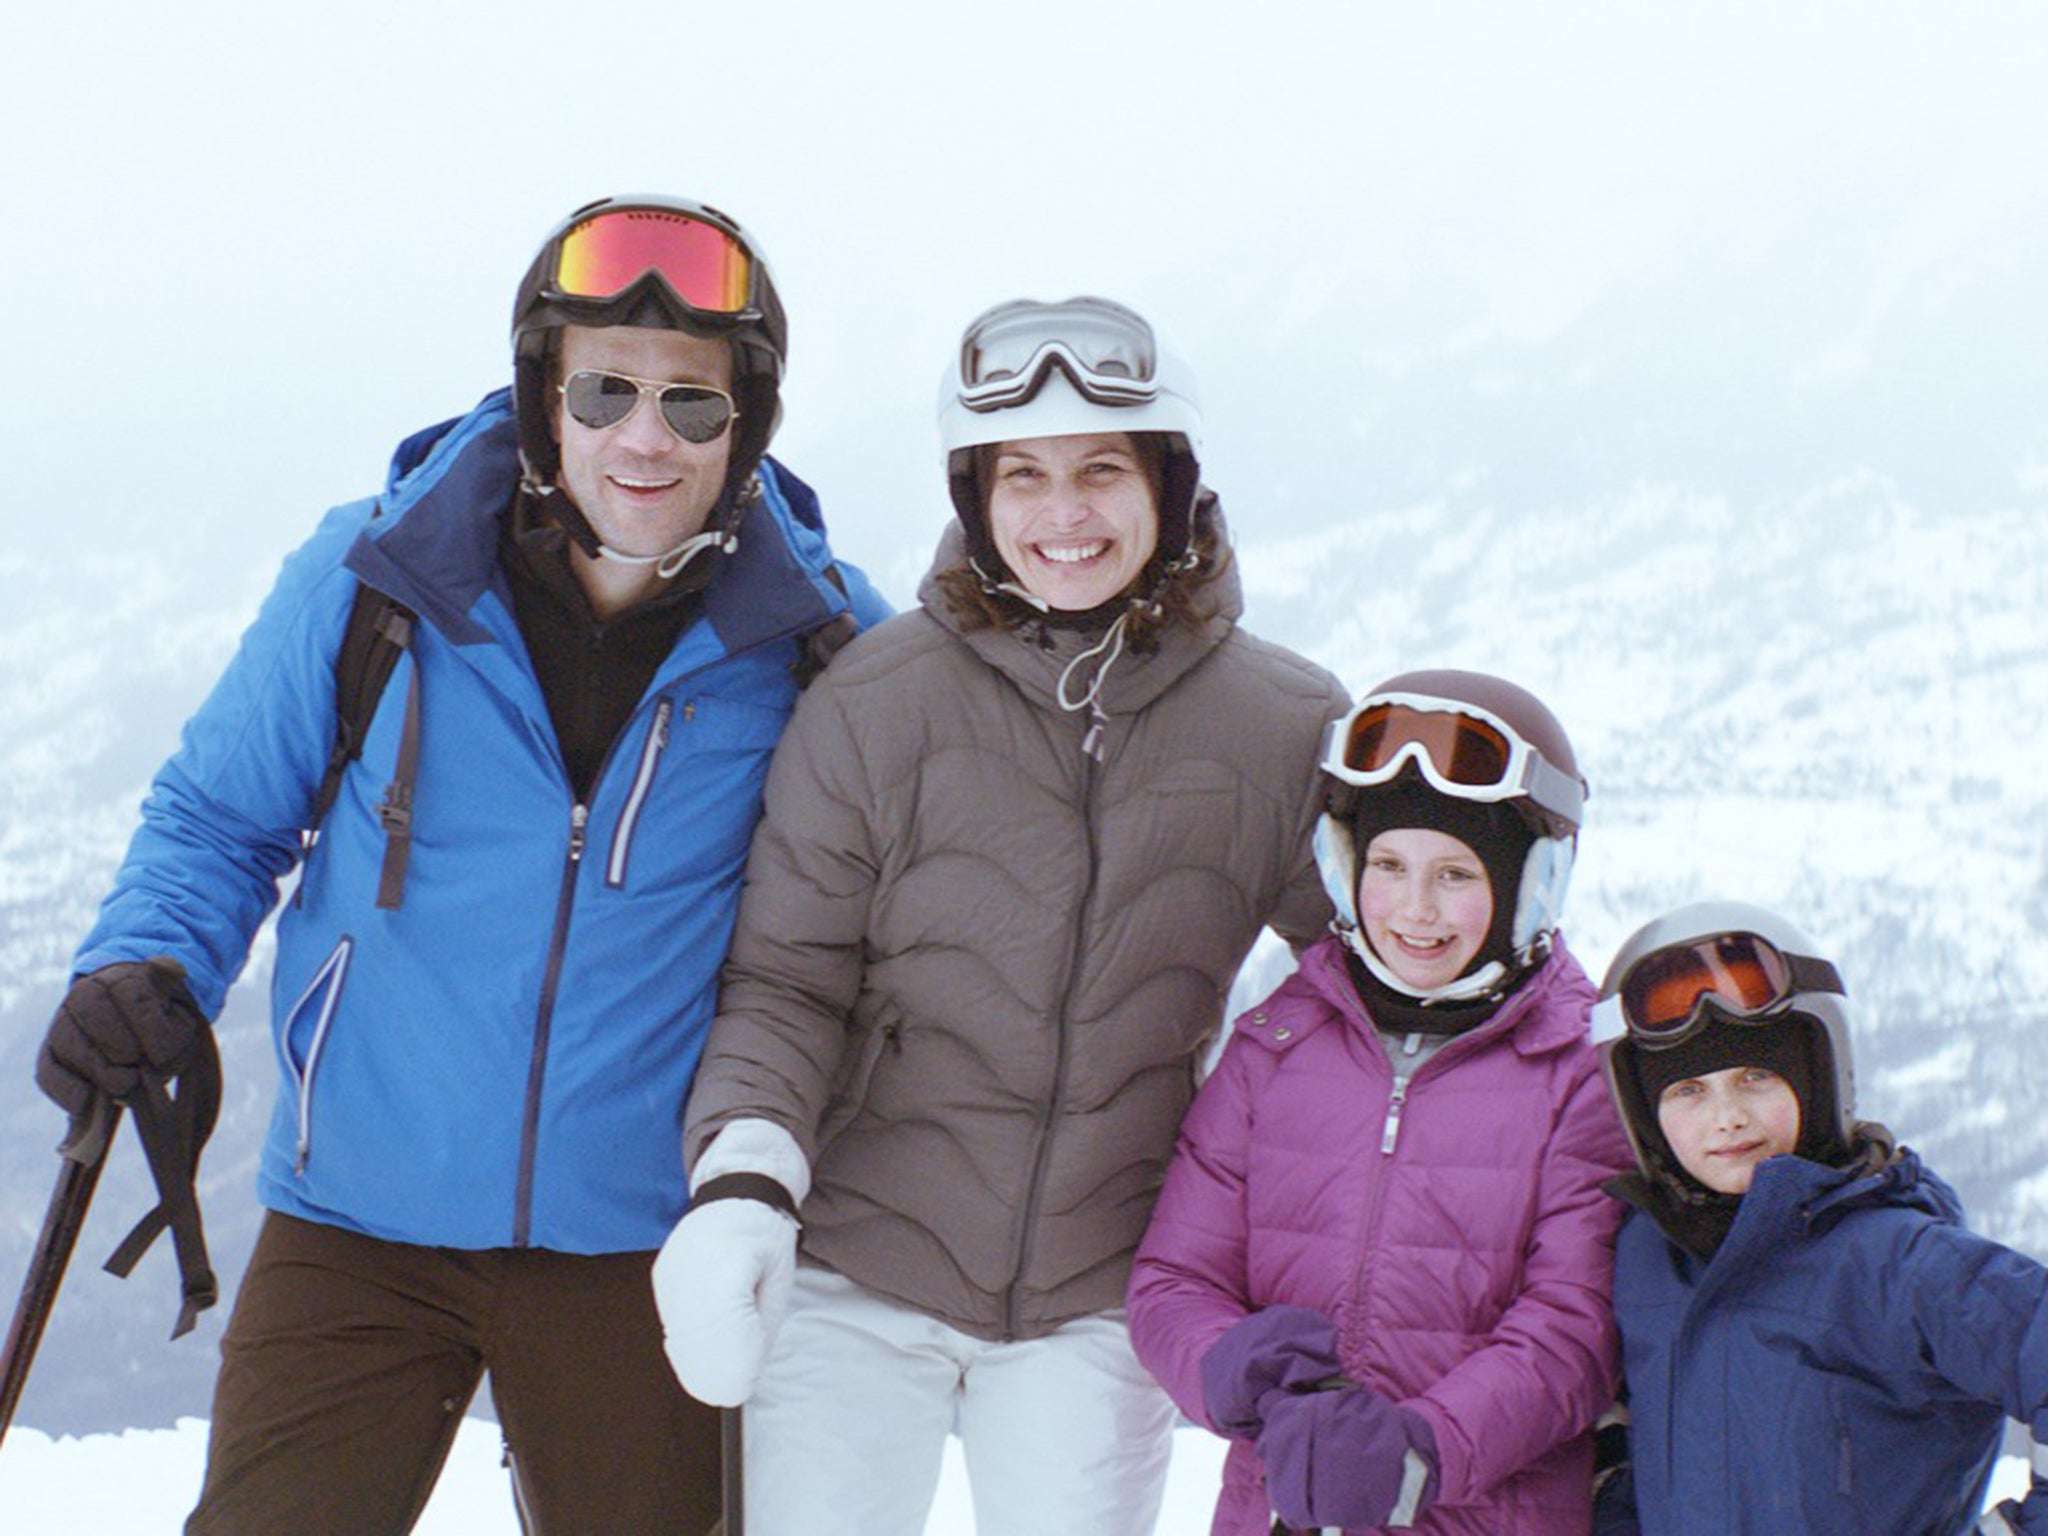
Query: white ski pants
[(847, 1427)]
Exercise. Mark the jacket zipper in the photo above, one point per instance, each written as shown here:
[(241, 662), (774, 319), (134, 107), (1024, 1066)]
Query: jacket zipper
[(333, 971), (1048, 1117), (636, 797), (537, 1069), (579, 821), (1391, 1131)]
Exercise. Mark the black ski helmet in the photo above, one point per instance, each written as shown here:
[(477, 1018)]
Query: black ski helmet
[(755, 327)]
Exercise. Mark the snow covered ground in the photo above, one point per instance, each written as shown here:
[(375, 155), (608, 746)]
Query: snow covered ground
[(141, 1483)]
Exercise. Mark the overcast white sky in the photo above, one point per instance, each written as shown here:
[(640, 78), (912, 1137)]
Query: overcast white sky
[(250, 246)]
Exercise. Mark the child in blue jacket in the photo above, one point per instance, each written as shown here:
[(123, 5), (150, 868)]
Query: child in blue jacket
[(1813, 1342)]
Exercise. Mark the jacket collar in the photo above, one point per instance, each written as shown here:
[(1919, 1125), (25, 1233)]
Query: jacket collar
[(1547, 1012), (433, 542)]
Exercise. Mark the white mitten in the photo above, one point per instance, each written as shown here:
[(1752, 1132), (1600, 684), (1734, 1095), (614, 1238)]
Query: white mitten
[(723, 1278)]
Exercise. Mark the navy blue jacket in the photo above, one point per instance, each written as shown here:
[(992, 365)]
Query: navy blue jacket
[(504, 1058), (1842, 1366)]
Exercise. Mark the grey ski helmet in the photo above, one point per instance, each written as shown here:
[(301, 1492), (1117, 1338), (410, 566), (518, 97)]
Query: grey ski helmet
[(1477, 741), (1032, 369), (664, 262), (1725, 967)]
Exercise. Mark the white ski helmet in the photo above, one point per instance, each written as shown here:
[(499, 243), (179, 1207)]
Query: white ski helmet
[(1028, 369)]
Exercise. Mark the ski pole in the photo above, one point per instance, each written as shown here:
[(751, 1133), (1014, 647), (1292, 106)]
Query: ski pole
[(84, 1153), (732, 1472)]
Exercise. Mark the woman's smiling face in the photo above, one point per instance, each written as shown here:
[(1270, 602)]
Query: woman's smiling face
[(1074, 518)]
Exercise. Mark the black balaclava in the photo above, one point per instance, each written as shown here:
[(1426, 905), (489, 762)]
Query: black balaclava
[(1787, 1044), (1500, 838)]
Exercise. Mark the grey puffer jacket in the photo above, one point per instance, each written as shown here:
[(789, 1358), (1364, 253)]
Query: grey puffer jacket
[(976, 970)]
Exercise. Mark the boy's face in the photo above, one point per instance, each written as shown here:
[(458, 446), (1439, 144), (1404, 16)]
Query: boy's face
[(1722, 1124)]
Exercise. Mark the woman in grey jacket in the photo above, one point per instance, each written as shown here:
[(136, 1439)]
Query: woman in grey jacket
[(1017, 844)]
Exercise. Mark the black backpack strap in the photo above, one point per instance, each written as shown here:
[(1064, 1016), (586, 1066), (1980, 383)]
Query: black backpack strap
[(379, 631), (395, 810), (820, 645)]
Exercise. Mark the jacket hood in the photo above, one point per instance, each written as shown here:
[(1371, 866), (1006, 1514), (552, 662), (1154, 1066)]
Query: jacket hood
[(1879, 1174), (425, 547), (1793, 1190)]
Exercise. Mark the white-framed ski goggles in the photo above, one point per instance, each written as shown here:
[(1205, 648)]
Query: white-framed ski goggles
[(1106, 351), (1460, 749)]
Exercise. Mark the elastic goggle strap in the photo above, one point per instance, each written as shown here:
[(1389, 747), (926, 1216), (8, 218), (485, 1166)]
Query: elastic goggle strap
[(1665, 994), (1462, 750), (706, 266), (1106, 351)]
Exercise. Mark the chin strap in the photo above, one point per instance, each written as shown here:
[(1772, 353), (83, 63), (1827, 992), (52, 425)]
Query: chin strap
[(993, 587), (1480, 983), (671, 563)]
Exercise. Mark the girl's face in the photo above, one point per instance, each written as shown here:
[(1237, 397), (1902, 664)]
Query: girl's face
[(1425, 904), (1722, 1124), (1074, 518)]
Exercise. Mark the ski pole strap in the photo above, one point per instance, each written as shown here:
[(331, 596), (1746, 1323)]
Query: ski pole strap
[(748, 1186), (173, 1130)]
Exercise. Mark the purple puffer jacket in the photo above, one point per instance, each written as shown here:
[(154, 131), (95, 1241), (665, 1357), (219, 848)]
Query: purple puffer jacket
[(1456, 1233)]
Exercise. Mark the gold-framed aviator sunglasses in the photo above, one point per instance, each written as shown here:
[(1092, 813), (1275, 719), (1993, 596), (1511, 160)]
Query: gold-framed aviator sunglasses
[(599, 399)]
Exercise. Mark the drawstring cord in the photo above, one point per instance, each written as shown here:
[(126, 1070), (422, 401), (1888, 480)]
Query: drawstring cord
[(1109, 648)]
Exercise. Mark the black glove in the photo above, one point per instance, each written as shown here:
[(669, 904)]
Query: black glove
[(115, 1024)]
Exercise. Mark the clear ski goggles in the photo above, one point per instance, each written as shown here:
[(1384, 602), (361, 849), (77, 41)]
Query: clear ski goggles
[(697, 413), (1665, 995), (1106, 351), (1460, 749), (709, 269)]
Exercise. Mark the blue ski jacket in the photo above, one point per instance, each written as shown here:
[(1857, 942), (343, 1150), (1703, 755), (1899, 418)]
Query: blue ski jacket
[(1843, 1365), (502, 1060)]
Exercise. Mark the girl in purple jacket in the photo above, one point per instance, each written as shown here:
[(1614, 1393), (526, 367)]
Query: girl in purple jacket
[(1382, 1261)]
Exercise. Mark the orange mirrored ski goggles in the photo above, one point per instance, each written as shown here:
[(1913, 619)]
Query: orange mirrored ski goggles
[(606, 254), (1665, 994)]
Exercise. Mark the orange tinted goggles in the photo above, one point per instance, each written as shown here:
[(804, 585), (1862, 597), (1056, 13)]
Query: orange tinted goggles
[(1460, 749), (605, 255), (1664, 995)]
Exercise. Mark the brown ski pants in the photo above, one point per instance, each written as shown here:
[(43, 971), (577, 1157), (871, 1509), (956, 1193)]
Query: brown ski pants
[(349, 1360)]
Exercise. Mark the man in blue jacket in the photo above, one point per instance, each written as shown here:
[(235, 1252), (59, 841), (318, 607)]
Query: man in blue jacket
[(495, 976)]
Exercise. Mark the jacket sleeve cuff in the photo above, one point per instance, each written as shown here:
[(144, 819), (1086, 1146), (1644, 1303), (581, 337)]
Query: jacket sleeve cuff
[(754, 1146)]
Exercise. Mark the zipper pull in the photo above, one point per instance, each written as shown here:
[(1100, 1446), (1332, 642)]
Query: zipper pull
[(579, 818), (1392, 1130)]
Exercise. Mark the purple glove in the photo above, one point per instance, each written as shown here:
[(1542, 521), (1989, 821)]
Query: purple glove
[(1279, 1349), (1347, 1458)]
